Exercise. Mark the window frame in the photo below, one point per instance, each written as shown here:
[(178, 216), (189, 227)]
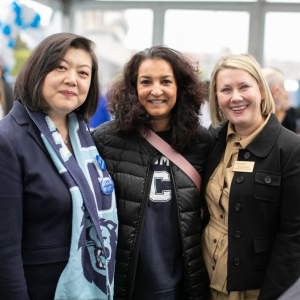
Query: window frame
[(257, 11)]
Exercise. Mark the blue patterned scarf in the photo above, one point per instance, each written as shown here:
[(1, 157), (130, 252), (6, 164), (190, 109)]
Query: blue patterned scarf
[(89, 273)]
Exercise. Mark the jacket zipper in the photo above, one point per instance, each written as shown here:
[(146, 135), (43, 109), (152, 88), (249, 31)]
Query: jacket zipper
[(135, 254), (183, 250)]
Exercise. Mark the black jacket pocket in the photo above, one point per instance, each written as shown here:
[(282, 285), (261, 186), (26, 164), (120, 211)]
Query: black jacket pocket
[(267, 185), (262, 251)]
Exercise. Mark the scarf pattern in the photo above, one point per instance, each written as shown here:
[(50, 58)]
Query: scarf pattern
[(89, 273)]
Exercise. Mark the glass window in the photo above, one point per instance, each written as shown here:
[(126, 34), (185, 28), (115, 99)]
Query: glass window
[(207, 35), (282, 48), (284, 1), (181, 0), (281, 44), (118, 34)]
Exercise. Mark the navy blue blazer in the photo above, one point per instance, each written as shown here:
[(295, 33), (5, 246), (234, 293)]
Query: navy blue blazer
[(35, 212)]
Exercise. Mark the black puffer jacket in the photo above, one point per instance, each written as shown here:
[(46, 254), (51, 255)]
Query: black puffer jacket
[(129, 158)]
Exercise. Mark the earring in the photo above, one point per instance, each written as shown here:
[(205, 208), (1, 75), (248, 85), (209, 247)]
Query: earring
[(263, 105), (220, 115)]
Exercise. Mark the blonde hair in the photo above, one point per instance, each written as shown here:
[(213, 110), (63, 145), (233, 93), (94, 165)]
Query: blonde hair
[(245, 62), (2, 98)]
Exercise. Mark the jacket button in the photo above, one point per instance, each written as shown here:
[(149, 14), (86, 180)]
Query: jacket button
[(240, 179), (236, 261), (213, 267), (268, 179), (247, 155), (238, 207), (215, 240), (237, 234)]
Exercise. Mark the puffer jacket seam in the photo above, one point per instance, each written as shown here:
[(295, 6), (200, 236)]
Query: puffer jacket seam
[(126, 250), (123, 161), (198, 271), (196, 257), (194, 247), (188, 236), (128, 174), (121, 149), (191, 211)]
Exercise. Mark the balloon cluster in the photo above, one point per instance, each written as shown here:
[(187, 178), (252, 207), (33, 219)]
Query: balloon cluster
[(15, 18)]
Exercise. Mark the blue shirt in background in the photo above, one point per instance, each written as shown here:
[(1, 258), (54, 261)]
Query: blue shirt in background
[(101, 115)]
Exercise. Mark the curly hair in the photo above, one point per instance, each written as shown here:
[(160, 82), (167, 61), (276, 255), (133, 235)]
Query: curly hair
[(130, 115)]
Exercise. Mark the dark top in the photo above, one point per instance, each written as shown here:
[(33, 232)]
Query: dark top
[(290, 119), (130, 158), (160, 268), (264, 211), (35, 212)]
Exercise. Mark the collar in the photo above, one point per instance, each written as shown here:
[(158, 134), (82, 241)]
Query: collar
[(21, 116), (262, 145), (19, 113), (245, 142), (221, 131), (265, 140)]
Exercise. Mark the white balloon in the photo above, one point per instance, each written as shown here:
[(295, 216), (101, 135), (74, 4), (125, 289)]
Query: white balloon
[(8, 18)]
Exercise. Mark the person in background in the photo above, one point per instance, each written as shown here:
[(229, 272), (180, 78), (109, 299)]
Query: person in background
[(101, 115), (251, 245), (58, 216), (6, 93), (204, 117), (159, 248), (283, 111)]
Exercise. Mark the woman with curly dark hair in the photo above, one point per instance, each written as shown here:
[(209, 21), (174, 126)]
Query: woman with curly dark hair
[(159, 253)]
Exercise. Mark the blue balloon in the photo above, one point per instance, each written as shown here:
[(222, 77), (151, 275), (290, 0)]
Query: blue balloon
[(11, 44), (16, 8), (36, 21), (6, 30), (18, 21)]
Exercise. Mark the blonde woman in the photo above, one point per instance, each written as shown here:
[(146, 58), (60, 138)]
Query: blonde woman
[(251, 245)]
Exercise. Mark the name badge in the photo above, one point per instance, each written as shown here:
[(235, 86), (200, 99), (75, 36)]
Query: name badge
[(243, 166)]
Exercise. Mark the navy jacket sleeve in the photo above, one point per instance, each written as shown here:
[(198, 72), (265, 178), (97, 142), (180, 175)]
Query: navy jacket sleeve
[(284, 264), (12, 280)]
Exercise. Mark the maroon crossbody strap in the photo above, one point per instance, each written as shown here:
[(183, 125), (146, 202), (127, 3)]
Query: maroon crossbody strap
[(172, 155)]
